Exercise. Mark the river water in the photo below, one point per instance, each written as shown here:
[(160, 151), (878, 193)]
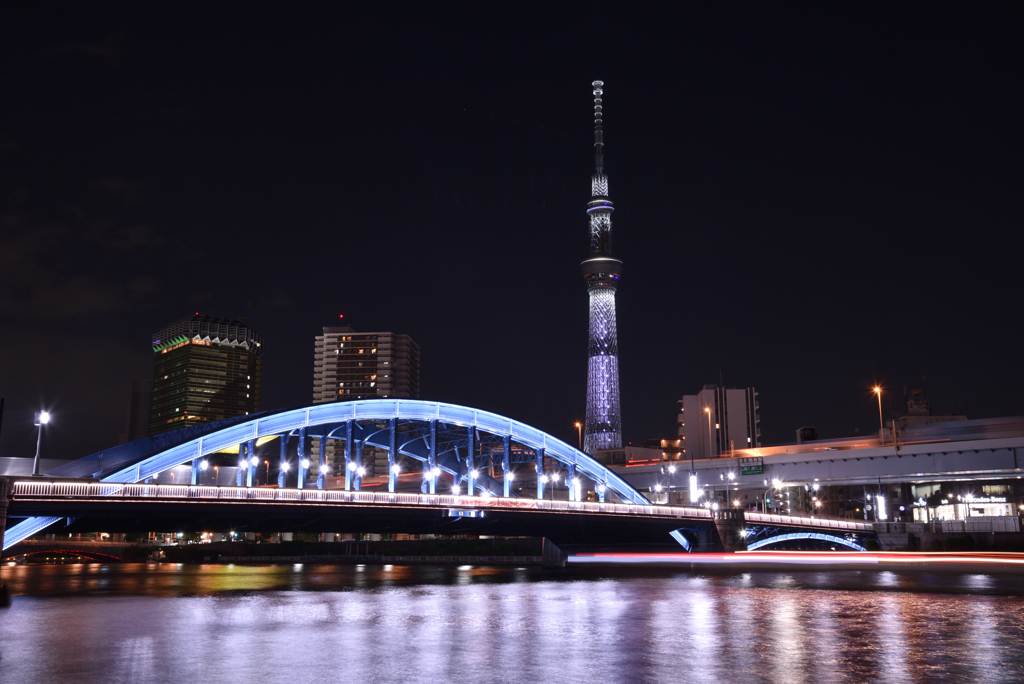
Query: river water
[(320, 623)]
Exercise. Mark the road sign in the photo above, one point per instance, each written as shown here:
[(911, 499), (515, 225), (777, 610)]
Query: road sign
[(752, 470)]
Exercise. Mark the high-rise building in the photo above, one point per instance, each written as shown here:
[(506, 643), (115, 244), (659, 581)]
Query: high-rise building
[(205, 369), (717, 421), (350, 366), (601, 271), (137, 421)]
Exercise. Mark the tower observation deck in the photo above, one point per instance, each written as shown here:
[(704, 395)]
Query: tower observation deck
[(601, 271)]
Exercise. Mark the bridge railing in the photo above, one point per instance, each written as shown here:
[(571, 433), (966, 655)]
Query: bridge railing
[(830, 523), (35, 489)]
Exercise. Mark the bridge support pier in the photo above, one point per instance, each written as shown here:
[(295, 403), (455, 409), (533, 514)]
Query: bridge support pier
[(730, 525), (195, 471), (570, 476), (243, 462)]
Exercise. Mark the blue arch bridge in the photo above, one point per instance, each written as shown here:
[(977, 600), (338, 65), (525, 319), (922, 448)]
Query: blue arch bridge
[(451, 470)]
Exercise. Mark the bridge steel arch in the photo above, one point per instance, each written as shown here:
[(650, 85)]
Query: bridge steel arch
[(761, 543), (443, 437)]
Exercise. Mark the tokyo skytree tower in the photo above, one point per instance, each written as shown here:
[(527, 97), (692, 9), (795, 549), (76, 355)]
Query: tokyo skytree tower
[(601, 271)]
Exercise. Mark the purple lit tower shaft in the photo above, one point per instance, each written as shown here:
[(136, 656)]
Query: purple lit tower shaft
[(601, 272)]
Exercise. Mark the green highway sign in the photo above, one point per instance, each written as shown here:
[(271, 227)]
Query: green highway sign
[(752, 470)]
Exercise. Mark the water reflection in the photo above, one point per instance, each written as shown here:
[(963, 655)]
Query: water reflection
[(308, 622)]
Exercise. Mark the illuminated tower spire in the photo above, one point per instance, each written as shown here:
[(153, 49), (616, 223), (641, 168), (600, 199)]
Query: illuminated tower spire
[(601, 272)]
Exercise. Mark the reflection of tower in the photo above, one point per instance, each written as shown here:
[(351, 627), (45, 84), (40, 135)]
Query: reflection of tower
[(601, 271)]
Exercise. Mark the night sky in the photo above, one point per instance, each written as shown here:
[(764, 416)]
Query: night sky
[(809, 200)]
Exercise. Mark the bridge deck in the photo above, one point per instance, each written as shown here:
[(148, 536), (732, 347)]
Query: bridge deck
[(24, 491)]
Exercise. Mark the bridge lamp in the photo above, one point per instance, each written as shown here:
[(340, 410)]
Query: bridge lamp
[(714, 506), (543, 479), (305, 463), (361, 471), (672, 469), (510, 476), (455, 490), (601, 489), (657, 487), (694, 491), (732, 476), (777, 483), (42, 418), (396, 469), (814, 487), (736, 503), (204, 464), (351, 465), (285, 466), (473, 474), (436, 471)]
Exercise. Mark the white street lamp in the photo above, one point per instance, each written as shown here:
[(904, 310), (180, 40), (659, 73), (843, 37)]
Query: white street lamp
[(42, 418)]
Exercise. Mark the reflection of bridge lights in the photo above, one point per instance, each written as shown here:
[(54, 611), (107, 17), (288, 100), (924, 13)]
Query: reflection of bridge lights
[(474, 474), (305, 463), (203, 465)]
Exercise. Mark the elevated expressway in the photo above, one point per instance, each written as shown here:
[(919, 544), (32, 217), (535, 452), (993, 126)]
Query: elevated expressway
[(840, 463)]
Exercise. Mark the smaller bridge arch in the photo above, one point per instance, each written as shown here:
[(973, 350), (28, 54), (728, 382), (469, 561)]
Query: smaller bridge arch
[(798, 536)]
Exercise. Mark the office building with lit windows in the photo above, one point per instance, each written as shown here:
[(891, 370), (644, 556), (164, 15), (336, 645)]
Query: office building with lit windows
[(205, 369), (350, 365), (718, 421)]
